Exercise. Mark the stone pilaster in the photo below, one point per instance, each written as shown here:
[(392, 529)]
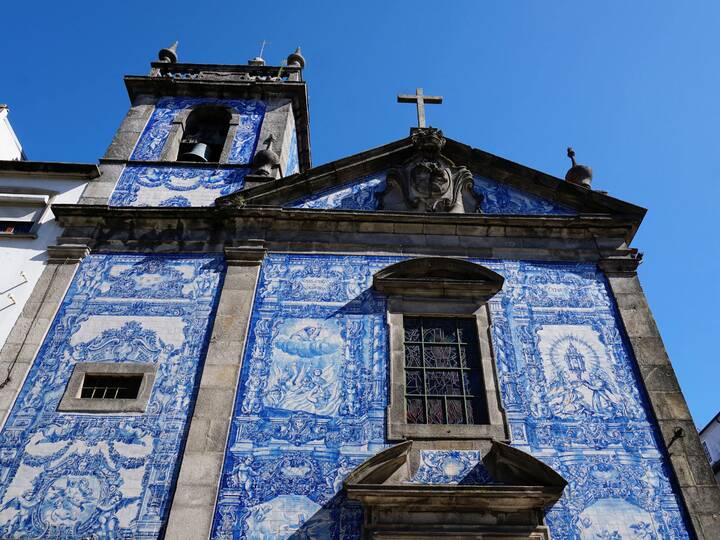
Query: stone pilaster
[(695, 478), (192, 508), (21, 347)]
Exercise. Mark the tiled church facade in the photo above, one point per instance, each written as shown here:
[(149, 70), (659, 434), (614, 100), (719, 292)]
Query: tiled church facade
[(598, 434), (249, 291)]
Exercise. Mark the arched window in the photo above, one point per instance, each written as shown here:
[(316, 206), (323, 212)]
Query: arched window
[(205, 133)]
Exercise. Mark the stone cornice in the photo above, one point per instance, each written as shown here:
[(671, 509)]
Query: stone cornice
[(379, 222), (589, 237), (302, 214), (620, 264)]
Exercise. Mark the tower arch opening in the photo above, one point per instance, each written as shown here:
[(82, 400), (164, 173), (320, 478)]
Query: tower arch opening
[(205, 132)]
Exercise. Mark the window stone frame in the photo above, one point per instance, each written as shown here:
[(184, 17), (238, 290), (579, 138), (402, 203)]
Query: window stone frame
[(71, 401), (440, 287)]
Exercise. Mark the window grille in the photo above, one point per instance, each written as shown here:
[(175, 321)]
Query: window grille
[(111, 386), (443, 374)]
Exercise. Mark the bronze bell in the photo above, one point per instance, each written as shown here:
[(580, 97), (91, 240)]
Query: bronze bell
[(199, 152)]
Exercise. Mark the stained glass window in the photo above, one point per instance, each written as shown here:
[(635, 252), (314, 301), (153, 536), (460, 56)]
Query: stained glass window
[(443, 376)]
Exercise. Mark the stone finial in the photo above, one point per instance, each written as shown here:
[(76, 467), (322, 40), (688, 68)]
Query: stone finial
[(266, 160), (296, 59), (169, 54), (580, 175)]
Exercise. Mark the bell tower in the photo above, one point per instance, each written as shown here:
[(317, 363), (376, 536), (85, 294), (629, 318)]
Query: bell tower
[(195, 132)]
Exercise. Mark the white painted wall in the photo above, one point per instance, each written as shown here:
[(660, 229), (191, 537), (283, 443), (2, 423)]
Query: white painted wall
[(710, 437), (10, 148), (28, 255)]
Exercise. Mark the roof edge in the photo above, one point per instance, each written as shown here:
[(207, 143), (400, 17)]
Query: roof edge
[(355, 166), (51, 169)]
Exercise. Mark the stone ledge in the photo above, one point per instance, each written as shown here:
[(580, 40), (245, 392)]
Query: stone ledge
[(245, 256), (67, 253)]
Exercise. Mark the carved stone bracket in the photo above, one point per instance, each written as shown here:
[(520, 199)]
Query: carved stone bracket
[(428, 181), (623, 262)]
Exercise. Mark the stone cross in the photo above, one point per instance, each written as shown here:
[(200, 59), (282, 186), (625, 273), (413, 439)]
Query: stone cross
[(262, 47), (420, 100)]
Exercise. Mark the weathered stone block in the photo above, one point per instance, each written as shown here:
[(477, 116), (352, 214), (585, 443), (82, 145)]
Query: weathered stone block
[(688, 444), (709, 525), (198, 433), (223, 351), (625, 284), (659, 378), (203, 496), (701, 470), (703, 499), (38, 329), (670, 406), (215, 403), (682, 469), (650, 351), (217, 434), (631, 301), (219, 376), (189, 523), (201, 469), (639, 323)]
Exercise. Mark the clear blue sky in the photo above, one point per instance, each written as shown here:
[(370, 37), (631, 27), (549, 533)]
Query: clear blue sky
[(633, 86)]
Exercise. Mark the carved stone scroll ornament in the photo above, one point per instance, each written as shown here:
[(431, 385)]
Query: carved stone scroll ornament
[(428, 181)]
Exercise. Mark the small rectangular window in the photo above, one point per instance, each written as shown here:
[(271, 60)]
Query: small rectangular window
[(443, 373), (16, 227), (20, 212), (111, 386), (108, 387)]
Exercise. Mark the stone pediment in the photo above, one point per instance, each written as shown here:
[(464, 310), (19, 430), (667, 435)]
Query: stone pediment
[(415, 493), (438, 277), (430, 174)]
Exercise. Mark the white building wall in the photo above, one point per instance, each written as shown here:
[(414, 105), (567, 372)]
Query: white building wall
[(28, 255), (710, 437), (10, 148)]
